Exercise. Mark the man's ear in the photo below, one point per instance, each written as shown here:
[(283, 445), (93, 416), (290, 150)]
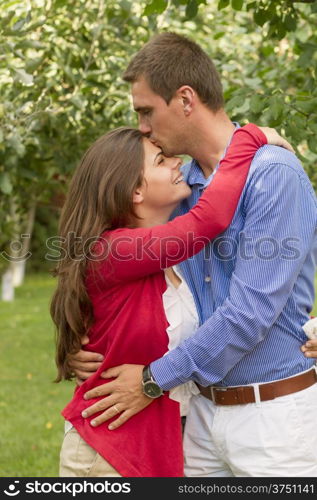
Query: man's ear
[(186, 95), (138, 196)]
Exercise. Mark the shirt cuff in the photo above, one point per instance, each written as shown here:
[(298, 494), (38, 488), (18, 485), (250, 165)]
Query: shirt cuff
[(164, 374)]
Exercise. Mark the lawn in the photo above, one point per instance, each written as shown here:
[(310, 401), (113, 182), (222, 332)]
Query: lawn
[(30, 403)]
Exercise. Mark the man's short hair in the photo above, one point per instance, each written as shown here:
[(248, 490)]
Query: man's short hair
[(169, 61)]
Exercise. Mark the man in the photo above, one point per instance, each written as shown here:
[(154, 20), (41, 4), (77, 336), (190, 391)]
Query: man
[(253, 289)]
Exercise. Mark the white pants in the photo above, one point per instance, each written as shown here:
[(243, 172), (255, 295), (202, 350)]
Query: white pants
[(275, 438)]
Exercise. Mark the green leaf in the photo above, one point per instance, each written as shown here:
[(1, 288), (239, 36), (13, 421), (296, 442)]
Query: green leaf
[(219, 35), (291, 129), (27, 174), (6, 20), (155, 7), (314, 8), (276, 106), (19, 24), (33, 26), (251, 5), (222, 4), (235, 102), (60, 3), (32, 64), (267, 50), (191, 9), (5, 183), (290, 22), (24, 77), (281, 31), (312, 143), (313, 127), (78, 102), (257, 103), (237, 4), (261, 16), (307, 106), (125, 5)]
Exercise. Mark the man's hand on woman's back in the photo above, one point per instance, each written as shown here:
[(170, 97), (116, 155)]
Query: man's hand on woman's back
[(84, 363)]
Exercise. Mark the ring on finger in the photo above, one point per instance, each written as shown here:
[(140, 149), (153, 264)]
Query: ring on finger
[(116, 408)]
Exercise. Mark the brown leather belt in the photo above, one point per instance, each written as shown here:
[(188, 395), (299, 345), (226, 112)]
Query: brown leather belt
[(246, 394)]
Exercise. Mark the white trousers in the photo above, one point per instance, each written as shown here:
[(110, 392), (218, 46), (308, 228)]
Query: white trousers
[(275, 438)]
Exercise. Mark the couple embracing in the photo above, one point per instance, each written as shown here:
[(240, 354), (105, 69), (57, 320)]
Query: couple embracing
[(192, 299)]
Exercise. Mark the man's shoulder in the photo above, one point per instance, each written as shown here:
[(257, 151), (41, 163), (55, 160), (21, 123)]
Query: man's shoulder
[(273, 164), (271, 159), (269, 155)]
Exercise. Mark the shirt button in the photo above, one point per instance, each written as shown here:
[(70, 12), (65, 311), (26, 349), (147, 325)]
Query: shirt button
[(208, 279)]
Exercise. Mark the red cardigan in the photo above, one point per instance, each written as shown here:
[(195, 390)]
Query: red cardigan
[(126, 290)]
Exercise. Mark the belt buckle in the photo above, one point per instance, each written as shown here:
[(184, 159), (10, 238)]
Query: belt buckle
[(218, 389), (212, 389)]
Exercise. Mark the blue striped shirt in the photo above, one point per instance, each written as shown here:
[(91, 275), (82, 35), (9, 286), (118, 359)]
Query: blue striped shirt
[(254, 285)]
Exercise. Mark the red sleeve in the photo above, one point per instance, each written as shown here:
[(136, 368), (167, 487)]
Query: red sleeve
[(134, 253)]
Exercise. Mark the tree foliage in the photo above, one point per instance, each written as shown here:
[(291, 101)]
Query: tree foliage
[(60, 79)]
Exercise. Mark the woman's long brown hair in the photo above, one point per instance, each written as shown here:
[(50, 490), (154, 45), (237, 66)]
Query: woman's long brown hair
[(100, 197)]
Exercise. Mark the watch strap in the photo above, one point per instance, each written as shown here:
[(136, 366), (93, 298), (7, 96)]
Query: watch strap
[(147, 374)]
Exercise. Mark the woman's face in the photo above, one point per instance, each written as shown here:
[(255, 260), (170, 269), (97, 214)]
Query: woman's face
[(164, 185)]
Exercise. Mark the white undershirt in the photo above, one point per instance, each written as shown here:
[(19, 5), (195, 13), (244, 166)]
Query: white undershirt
[(181, 314)]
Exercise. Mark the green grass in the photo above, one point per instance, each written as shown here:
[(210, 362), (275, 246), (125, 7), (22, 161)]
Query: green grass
[(30, 403)]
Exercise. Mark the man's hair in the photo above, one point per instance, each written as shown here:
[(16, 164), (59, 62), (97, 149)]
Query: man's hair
[(169, 61)]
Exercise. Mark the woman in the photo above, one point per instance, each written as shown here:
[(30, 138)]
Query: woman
[(112, 282)]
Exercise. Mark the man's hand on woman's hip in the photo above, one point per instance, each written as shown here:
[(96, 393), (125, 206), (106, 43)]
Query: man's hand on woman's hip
[(124, 396)]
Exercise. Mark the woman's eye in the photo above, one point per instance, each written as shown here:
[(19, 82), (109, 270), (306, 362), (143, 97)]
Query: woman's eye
[(161, 160)]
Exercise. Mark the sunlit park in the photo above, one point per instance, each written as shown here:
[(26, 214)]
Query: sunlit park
[(61, 64)]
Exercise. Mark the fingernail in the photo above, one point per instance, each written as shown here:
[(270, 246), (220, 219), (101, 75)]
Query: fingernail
[(93, 423), (84, 414), (85, 396), (308, 344), (110, 427), (100, 357)]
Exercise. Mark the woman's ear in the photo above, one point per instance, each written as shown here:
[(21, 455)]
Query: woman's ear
[(138, 196)]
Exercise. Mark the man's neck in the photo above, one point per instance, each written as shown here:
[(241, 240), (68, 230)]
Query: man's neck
[(212, 133)]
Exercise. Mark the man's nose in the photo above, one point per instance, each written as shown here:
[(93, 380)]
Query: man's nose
[(144, 128)]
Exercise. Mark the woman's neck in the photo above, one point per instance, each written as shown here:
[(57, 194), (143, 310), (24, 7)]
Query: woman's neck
[(152, 218)]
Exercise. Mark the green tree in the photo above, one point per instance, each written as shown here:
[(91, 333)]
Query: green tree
[(60, 81)]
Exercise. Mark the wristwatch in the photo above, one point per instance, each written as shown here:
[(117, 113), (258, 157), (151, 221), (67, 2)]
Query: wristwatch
[(150, 387)]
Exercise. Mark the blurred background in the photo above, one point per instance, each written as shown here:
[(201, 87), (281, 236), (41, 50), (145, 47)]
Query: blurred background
[(60, 88)]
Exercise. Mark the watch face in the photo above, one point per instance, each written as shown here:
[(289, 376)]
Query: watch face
[(152, 390)]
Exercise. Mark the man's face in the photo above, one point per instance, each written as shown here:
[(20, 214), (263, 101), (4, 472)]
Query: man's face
[(159, 121)]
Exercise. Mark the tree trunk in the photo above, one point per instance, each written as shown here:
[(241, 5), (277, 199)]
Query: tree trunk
[(19, 252), (7, 294), (20, 263)]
